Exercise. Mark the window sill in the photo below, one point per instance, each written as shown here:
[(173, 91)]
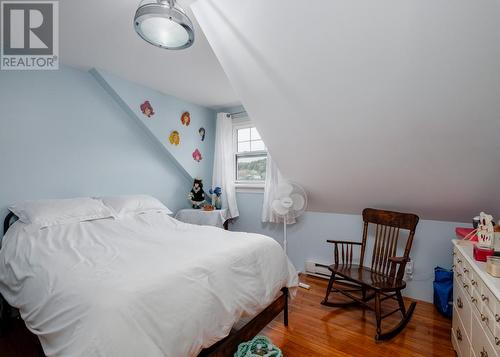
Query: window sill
[(249, 187)]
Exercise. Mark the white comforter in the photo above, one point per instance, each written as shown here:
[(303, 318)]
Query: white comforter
[(144, 285)]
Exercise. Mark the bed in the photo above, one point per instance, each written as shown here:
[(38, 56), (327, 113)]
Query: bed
[(142, 285)]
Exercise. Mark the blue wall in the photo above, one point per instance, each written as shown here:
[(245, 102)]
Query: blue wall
[(307, 239), (63, 135), (168, 111)]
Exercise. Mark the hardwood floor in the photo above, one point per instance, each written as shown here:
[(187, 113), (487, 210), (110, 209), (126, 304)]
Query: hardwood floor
[(316, 330)]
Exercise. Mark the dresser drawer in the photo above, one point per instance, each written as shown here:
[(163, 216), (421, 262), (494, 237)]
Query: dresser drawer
[(460, 336), (492, 329), (459, 276), (466, 285), (462, 304), (497, 317), (488, 300), (458, 263), (488, 323), (475, 281), (467, 270), (480, 342), (476, 299), (496, 338)]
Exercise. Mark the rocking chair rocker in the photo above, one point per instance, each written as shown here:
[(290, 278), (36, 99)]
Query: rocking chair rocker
[(384, 278)]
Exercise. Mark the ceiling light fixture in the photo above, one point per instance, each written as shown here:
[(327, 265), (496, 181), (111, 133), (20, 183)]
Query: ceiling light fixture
[(164, 24)]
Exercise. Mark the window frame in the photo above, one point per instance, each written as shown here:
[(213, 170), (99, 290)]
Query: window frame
[(244, 185)]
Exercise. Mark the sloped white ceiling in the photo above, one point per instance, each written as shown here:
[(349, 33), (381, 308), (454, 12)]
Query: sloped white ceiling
[(100, 34), (392, 104)]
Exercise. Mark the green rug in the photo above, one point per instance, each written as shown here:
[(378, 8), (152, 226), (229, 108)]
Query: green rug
[(260, 346)]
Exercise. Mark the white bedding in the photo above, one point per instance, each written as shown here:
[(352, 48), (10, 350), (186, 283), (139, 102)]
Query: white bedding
[(144, 285)]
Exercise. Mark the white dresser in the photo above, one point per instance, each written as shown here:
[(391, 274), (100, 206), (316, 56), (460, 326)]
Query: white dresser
[(476, 308)]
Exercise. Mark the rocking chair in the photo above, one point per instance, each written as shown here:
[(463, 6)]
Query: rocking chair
[(384, 278)]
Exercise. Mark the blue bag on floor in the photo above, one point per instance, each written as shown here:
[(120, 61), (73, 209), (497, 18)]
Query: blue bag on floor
[(443, 290)]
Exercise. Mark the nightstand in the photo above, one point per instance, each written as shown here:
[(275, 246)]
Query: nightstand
[(217, 218)]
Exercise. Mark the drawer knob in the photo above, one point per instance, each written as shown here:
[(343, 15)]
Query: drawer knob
[(473, 282), (473, 299), (459, 335), (459, 303), (484, 353), (453, 253), (466, 286), (497, 341), (466, 270), (458, 260), (497, 318), (484, 318), (459, 275), (484, 297)]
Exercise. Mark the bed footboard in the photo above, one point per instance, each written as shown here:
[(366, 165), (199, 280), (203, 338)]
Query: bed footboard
[(227, 346)]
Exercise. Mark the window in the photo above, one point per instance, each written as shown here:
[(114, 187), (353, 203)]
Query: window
[(250, 156)]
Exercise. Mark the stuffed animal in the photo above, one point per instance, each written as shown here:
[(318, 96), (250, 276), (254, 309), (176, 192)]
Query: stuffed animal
[(485, 231), (197, 195)]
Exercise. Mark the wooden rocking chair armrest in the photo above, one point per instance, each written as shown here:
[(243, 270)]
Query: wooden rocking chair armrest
[(398, 260), (343, 242), (343, 251)]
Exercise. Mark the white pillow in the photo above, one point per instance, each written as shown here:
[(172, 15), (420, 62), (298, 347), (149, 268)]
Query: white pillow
[(52, 212), (121, 205)]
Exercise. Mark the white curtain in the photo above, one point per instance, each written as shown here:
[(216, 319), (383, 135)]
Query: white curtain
[(223, 163), (273, 180)]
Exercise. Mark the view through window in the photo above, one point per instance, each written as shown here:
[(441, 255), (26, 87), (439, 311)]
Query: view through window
[(250, 156)]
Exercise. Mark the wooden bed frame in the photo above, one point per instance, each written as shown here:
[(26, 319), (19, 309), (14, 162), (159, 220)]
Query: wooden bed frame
[(225, 347)]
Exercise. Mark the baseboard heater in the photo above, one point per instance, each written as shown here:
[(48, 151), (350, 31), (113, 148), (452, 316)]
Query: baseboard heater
[(318, 270)]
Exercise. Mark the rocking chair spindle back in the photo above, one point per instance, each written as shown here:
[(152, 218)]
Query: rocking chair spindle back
[(384, 278)]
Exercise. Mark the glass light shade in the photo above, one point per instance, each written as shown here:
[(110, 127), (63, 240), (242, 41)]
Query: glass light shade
[(163, 32), (164, 24)]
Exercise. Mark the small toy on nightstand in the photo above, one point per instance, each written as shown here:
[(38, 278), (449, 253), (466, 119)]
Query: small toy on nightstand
[(197, 196), (208, 208), (216, 193)]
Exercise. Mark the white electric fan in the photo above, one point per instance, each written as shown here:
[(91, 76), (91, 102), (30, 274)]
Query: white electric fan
[(290, 203)]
